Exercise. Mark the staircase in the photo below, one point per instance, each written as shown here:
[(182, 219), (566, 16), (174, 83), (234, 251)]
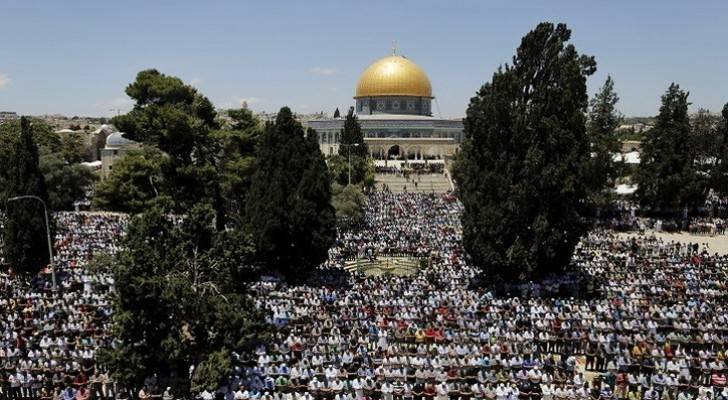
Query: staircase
[(426, 183)]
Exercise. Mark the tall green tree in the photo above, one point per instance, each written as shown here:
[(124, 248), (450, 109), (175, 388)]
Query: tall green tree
[(24, 237), (203, 158), (289, 207), (524, 164), (243, 120), (362, 170), (667, 178), (235, 153), (604, 119), (706, 140), (176, 119), (354, 149), (719, 174), (47, 140), (73, 148), (352, 134), (135, 183), (66, 182), (178, 305), (349, 202)]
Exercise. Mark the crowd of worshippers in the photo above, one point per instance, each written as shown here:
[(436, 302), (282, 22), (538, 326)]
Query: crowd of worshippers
[(707, 226), (625, 215), (402, 224), (49, 340), (621, 217), (655, 330), (716, 205)]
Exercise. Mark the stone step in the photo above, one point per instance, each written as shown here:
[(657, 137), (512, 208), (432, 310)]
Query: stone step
[(427, 183)]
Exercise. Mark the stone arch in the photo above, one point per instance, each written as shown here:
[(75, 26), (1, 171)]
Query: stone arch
[(434, 151), (415, 152)]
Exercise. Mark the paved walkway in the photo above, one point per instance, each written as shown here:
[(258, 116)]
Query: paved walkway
[(426, 183)]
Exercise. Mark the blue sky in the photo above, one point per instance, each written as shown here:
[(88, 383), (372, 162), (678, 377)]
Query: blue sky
[(76, 57)]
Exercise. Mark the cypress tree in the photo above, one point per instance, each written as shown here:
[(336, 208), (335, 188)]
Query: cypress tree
[(25, 240), (352, 134), (602, 125), (667, 179), (524, 161), (337, 114), (289, 208), (719, 173)]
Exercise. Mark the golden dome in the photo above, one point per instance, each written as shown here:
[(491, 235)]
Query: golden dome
[(394, 76)]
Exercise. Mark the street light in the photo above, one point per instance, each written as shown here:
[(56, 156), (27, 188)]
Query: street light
[(348, 146), (48, 231)]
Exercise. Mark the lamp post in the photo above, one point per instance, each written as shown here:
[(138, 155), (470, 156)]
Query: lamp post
[(48, 232), (348, 146)]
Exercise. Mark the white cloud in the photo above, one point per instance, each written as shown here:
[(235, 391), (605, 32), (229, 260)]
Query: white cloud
[(325, 71), (4, 80), (195, 81)]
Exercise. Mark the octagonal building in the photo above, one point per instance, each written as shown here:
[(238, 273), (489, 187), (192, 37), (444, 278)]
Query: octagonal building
[(394, 105)]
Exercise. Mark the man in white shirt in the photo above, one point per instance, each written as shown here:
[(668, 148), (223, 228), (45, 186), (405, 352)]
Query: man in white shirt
[(547, 391), (442, 391), (358, 387), (387, 389), (501, 393)]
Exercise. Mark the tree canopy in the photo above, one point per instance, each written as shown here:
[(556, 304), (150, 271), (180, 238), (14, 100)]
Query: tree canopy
[(719, 173), (178, 304), (349, 202), (289, 208), (176, 119), (604, 119), (667, 178), (66, 182), (352, 134), (135, 183), (182, 287), (190, 155), (24, 236), (523, 167), (235, 153), (351, 145)]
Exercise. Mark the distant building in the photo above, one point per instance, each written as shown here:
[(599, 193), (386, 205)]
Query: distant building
[(637, 127), (96, 140), (116, 146), (8, 116)]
